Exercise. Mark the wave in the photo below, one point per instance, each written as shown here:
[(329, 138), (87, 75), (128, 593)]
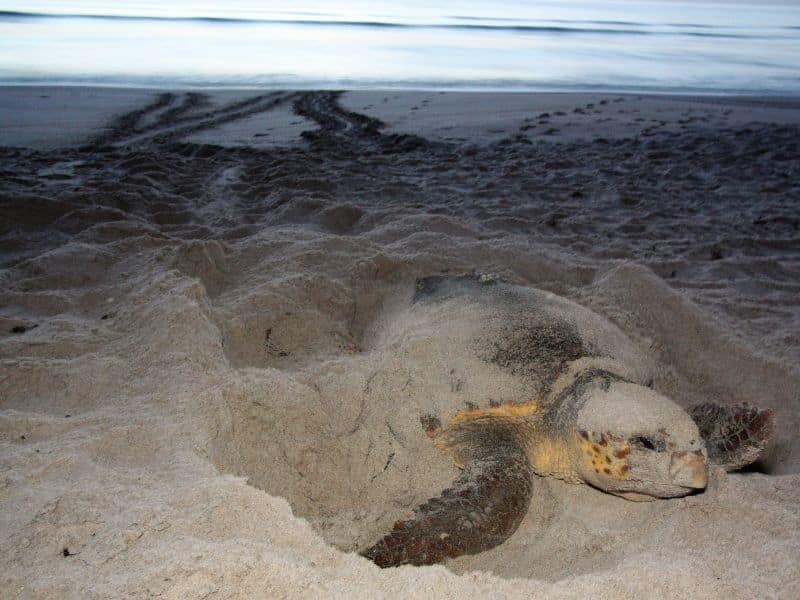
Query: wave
[(777, 87), (481, 24)]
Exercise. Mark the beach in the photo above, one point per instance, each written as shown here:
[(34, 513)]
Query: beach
[(201, 289)]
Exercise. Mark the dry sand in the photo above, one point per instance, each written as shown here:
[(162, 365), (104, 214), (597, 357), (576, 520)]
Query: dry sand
[(202, 295)]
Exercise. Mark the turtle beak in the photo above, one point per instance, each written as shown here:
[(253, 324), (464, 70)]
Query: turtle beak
[(689, 469)]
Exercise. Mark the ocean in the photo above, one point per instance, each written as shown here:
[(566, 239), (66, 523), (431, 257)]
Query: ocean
[(670, 46)]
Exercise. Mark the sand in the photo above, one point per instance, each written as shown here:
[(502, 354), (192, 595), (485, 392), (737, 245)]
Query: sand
[(200, 387)]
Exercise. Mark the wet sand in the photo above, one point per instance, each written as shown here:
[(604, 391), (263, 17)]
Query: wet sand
[(200, 293)]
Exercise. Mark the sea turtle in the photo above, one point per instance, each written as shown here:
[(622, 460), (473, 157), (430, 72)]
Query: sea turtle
[(571, 399)]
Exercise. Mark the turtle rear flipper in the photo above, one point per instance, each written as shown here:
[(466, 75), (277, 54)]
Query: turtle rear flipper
[(735, 436), (482, 509)]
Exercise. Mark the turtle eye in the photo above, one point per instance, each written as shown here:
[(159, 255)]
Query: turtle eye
[(647, 443)]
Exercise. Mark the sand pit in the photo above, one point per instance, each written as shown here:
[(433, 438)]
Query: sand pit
[(201, 346)]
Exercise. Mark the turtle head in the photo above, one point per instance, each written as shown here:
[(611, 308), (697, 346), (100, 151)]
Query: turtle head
[(635, 443)]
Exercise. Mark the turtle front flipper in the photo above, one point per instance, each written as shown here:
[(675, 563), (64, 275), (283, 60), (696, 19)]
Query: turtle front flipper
[(482, 509), (735, 436)]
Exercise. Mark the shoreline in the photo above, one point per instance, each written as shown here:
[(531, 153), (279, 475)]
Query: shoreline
[(411, 88)]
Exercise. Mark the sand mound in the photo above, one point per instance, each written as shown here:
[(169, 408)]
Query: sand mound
[(338, 433)]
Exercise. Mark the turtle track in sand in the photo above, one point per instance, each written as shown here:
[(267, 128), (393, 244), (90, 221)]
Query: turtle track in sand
[(340, 127), (175, 116)]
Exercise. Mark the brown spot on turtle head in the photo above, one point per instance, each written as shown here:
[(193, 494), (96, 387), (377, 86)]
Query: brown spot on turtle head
[(604, 454)]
